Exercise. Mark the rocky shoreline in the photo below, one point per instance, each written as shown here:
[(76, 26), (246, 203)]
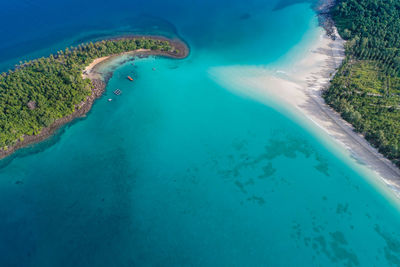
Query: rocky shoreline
[(98, 87), (323, 9)]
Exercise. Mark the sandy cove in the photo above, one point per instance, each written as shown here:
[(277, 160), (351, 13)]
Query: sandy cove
[(299, 87), (99, 81), (91, 71)]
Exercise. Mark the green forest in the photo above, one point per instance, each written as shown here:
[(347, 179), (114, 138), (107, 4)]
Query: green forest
[(38, 92), (366, 88)]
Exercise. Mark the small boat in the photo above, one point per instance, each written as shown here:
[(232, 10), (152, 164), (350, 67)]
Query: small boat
[(109, 100), (130, 78), (117, 92)]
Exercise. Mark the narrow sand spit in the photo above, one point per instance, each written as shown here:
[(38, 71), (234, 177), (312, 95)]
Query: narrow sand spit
[(299, 87)]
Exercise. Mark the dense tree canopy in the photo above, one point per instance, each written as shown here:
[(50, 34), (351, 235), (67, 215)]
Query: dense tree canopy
[(366, 89), (38, 92), (373, 30)]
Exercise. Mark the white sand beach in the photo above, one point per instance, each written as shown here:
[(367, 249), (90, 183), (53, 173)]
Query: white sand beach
[(91, 70), (298, 87)]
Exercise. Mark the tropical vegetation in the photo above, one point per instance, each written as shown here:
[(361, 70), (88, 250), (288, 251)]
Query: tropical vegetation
[(366, 88), (38, 92)]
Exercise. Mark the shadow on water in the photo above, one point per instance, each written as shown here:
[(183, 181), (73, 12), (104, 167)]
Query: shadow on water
[(245, 16), (282, 4)]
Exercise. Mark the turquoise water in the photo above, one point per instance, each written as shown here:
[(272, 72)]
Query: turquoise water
[(178, 171)]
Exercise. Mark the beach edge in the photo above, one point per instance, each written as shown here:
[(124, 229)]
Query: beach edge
[(99, 82)]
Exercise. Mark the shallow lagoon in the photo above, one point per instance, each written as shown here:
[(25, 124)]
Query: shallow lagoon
[(180, 171)]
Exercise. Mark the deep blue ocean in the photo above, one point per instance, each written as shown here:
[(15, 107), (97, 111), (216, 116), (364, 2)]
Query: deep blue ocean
[(179, 170)]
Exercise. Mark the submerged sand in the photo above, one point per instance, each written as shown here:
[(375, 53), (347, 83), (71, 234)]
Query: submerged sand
[(299, 88)]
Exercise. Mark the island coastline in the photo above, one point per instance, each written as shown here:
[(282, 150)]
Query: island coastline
[(99, 82), (297, 89), (316, 109)]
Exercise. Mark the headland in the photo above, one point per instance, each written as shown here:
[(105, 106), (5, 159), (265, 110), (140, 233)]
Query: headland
[(95, 82)]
